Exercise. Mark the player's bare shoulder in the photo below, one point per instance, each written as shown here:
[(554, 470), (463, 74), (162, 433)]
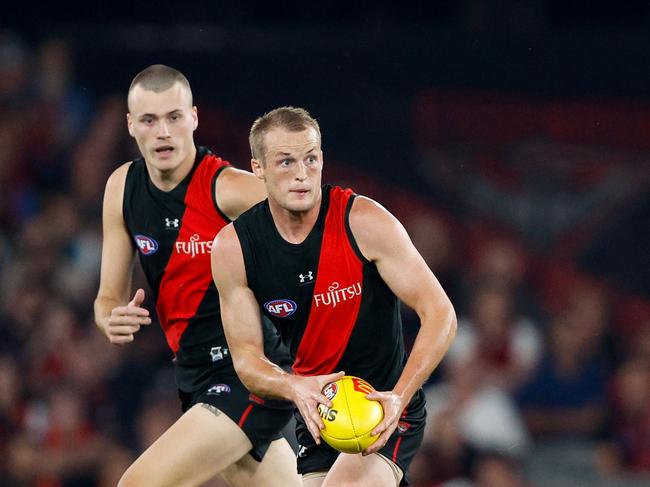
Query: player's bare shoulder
[(116, 181), (226, 258), (237, 190), (113, 197), (373, 227), (226, 241)]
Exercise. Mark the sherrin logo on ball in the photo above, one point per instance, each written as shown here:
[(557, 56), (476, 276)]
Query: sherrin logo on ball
[(352, 417)]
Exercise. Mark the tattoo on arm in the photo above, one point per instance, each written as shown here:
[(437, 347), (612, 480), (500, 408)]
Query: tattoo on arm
[(211, 408)]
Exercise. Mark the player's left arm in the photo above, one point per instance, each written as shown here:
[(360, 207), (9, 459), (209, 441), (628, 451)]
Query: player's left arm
[(237, 190), (383, 240)]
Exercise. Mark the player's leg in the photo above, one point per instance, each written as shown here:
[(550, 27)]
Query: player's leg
[(313, 460), (277, 468), (314, 479), (202, 443), (271, 462), (359, 471), (355, 470)]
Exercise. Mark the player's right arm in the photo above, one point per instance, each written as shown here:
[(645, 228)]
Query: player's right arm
[(240, 314), (116, 316)]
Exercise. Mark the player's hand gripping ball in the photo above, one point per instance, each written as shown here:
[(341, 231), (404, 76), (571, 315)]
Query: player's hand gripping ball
[(352, 417)]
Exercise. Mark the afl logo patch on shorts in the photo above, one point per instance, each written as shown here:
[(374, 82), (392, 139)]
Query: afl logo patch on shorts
[(281, 308), (403, 426), (146, 245), (218, 389)]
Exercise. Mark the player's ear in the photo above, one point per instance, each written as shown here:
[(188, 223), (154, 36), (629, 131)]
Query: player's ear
[(129, 124), (257, 168), (195, 118)]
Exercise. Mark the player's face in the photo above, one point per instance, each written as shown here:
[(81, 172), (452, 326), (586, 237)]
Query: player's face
[(292, 168), (163, 125)]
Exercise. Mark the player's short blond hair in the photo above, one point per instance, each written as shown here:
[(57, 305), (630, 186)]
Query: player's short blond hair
[(290, 118), (159, 77)]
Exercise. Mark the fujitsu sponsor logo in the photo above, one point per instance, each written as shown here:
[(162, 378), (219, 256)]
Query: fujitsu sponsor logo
[(337, 294), (195, 246)]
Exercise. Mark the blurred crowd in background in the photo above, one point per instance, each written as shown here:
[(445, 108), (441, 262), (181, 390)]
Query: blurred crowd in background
[(507, 197)]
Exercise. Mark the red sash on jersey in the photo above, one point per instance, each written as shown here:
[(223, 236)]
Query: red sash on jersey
[(187, 275), (337, 295)]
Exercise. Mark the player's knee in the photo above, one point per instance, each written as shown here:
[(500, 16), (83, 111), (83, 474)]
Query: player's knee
[(360, 482), (133, 477), (345, 483)]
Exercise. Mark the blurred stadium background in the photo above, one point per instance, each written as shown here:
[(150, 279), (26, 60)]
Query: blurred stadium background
[(512, 138)]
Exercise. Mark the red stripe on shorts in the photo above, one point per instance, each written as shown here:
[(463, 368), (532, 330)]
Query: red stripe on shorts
[(399, 440), (244, 416)]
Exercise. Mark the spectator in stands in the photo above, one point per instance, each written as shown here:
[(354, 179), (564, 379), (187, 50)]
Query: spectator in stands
[(68, 450), (434, 238), (627, 445), (498, 471), (504, 345), (436, 241), (566, 395), (502, 260), (468, 416), (484, 416)]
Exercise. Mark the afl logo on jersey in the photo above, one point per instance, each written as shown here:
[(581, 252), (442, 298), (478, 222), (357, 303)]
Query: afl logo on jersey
[(281, 308), (147, 245)]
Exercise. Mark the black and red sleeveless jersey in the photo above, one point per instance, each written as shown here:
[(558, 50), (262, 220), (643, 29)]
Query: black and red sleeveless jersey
[(173, 233), (328, 302)]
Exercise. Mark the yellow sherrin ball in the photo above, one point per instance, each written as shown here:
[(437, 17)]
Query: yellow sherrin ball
[(352, 417)]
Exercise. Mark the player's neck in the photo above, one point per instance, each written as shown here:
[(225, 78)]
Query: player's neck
[(294, 226), (166, 180)]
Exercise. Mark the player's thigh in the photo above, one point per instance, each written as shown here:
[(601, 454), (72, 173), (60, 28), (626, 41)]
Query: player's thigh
[(202, 443), (277, 468), (359, 471)]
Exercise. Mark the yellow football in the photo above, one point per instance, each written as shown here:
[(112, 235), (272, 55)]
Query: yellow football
[(352, 417)]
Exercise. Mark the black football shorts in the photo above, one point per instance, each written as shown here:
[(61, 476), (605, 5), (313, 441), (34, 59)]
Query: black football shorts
[(260, 419)]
